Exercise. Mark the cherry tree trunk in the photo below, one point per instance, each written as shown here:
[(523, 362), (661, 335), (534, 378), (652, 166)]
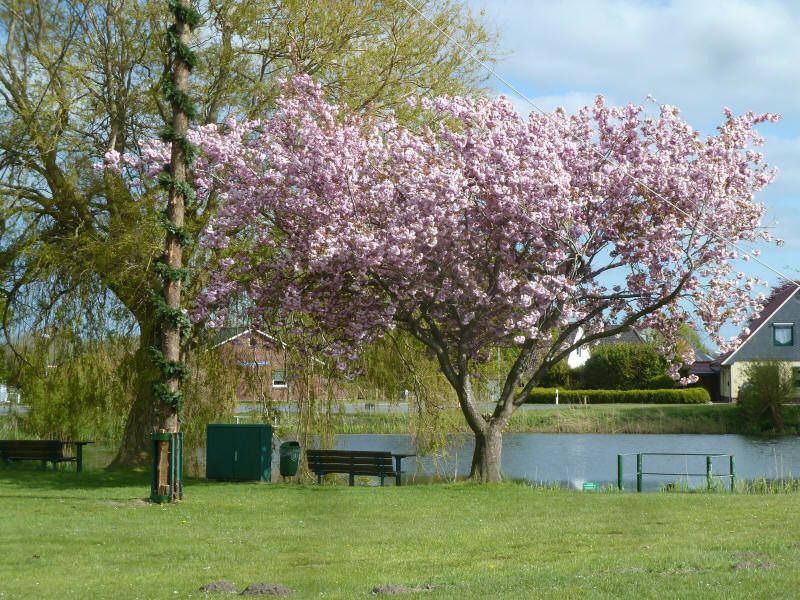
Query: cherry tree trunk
[(486, 459)]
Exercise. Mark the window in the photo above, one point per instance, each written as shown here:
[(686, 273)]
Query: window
[(278, 378), (252, 363), (796, 377), (783, 334)]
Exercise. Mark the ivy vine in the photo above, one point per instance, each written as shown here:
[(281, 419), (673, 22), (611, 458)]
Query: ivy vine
[(175, 317)]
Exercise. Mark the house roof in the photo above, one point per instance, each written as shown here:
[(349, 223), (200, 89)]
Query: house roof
[(629, 336), (779, 296), (225, 335)]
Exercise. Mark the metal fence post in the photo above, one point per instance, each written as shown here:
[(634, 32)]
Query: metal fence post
[(732, 468), (620, 460), (638, 472), (708, 471)]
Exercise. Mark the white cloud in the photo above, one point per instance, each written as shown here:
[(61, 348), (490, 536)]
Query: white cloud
[(699, 55)]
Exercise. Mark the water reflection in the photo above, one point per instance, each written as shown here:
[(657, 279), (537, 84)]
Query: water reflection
[(572, 459)]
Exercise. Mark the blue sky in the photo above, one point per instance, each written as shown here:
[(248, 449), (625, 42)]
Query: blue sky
[(700, 55)]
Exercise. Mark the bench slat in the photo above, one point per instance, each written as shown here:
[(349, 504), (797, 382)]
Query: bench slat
[(349, 453), (352, 462), (356, 470), (344, 462), (44, 450)]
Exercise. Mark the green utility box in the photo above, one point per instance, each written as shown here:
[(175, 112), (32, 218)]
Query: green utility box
[(239, 452)]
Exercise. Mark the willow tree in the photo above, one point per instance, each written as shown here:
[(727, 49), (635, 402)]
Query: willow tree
[(79, 79)]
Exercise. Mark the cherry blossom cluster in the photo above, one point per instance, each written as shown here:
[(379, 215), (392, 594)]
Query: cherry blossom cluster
[(484, 229)]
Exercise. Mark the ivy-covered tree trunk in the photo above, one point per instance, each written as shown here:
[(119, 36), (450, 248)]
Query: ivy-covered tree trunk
[(173, 322)]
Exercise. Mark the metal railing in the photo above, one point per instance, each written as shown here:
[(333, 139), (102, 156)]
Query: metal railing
[(709, 474)]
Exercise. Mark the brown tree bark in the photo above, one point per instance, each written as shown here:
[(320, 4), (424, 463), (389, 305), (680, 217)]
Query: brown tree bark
[(486, 459), (134, 450), (173, 252), (164, 485)]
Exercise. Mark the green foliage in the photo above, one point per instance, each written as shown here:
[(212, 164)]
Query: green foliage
[(399, 368), (623, 366), (691, 336), (692, 395), (74, 391), (561, 376), (768, 385)]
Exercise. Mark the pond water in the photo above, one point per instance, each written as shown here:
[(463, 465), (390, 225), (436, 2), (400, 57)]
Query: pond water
[(572, 459), (569, 459)]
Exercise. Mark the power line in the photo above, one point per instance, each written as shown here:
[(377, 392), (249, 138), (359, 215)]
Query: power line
[(603, 158)]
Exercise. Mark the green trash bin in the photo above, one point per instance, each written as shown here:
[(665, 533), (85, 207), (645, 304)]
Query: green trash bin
[(290, 458)]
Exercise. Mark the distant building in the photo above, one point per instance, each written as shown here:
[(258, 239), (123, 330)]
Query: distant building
[(262, 360), (269, 371), (773, 336), (706, 368)]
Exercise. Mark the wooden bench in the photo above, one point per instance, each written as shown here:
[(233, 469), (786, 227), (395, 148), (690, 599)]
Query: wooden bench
[(355, 462), (42, 450)]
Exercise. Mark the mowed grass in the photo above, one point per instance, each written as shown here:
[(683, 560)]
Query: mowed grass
[(64, 535)]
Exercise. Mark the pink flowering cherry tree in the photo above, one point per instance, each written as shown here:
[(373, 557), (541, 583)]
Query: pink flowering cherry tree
[(484, 230)]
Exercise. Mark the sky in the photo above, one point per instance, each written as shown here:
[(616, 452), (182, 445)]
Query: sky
[(700, 55)]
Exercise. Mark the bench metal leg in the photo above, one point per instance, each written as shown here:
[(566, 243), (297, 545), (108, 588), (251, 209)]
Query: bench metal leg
[(397, 461), (352, 479)]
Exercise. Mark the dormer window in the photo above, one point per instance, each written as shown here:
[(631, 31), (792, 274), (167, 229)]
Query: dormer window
[(783, 334)]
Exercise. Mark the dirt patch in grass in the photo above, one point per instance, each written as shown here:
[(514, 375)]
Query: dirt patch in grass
[(749, 561), (401, 589), (219, 587), (267, 589)]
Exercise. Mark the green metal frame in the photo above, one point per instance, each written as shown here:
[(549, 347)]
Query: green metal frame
[(709, 474), (174, 467)]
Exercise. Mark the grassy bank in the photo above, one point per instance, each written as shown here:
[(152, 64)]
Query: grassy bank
[(91, 536), (603, 418)]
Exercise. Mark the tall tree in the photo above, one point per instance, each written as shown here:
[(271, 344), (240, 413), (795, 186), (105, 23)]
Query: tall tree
[(80, 79), (488, 231), (174, 326)]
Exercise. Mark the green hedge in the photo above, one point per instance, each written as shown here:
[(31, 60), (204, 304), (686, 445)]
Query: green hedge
[(692, 395)]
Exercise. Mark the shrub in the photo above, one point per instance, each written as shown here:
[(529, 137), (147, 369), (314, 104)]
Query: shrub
[(692, 395), (623, 366), (768, 385), (559, 375)]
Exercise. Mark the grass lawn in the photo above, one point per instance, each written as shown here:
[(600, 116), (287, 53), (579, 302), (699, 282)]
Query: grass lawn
[(90, 536), (599, 418)]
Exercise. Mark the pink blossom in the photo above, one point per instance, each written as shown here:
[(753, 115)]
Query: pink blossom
[(484, 230)]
